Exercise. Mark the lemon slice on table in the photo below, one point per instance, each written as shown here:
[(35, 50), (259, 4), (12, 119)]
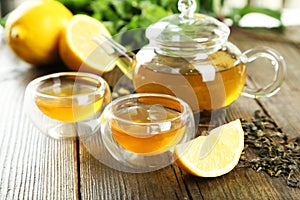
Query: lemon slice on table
[(78, 48), (213, 155)]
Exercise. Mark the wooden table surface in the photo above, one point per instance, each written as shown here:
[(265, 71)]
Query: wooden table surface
[(33, 166)]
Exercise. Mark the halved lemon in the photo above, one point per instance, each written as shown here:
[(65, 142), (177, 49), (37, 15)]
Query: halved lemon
[(81, 48), (213, 155)]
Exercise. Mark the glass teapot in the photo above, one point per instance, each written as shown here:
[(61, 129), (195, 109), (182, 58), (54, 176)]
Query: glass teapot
[(189, 56)]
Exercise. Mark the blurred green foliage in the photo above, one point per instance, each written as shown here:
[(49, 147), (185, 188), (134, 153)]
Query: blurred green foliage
[(122, 15), (2, 22), (212, 7)]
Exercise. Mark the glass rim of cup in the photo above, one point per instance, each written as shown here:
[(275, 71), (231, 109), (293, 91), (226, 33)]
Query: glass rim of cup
[(35, 83), (183, 111)]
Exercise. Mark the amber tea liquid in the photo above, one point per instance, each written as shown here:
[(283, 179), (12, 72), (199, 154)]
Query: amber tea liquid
[(176, 76), (145, 136), (68, 109)]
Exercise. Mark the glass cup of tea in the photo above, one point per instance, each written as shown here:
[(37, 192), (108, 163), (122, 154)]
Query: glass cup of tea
[(66, 104), (141, 130)]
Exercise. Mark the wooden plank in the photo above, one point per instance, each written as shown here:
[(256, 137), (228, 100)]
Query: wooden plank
[(101, 182), (32, 166)]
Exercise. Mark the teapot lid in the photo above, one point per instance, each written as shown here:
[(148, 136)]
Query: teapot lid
[(187, 32)]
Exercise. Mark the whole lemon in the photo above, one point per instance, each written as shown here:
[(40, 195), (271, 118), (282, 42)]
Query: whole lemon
[(33, 29)]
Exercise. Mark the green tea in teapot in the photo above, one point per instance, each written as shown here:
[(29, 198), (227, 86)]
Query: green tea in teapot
[(212, 84)]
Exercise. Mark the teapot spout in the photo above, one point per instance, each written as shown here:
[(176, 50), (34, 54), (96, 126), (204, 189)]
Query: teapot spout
[(124, 59)]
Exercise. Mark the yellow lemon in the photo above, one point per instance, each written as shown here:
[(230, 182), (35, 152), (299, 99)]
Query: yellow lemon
[(213, 155), (33, 30), (81, 47)]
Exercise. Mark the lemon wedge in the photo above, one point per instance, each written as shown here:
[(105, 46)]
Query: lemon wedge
[(213, 155)]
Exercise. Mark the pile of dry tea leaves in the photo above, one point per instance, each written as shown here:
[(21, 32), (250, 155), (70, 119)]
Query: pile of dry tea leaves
[(275, 153)]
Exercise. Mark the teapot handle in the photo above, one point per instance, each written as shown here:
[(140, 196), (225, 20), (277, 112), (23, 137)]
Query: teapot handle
[(279, 67)]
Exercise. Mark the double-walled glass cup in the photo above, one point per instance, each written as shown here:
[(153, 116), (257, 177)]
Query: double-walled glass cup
[(67, 104), (141, 130)]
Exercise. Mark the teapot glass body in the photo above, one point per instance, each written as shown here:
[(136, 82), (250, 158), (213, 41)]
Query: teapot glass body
[(206, 81), (189, 56)]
